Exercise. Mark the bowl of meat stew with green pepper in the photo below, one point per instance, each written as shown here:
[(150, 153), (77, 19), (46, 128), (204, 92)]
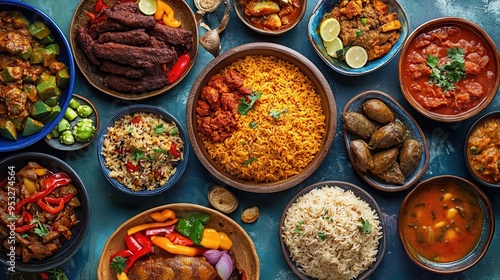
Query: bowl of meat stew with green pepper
[(45, 213), (37, 75)]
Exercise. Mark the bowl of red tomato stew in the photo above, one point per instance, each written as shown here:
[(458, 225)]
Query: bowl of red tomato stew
[(45, 212), (183, 241), (481, 149), (270, 17), (448, 69), (446, 224)]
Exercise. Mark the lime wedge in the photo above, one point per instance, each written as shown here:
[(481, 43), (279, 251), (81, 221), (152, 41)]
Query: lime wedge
[(356, 57), (329, 29), (333, 46), (148, 7)]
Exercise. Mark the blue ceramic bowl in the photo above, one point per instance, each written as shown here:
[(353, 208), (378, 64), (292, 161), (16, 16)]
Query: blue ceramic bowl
[(79, 231), (486, 233), (474, 126), (415, 132), (181, 165), (361, 194), (66, 56), (325, 6)]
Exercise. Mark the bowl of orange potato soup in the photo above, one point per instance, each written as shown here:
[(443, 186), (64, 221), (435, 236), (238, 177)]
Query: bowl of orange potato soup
[(446, 224)]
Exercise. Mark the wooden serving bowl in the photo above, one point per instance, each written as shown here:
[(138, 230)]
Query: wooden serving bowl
[(486, 232), (320, 84), (243, 247), (443, 114)]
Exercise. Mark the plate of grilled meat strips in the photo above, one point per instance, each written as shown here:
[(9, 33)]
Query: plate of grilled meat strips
[(132, 55)]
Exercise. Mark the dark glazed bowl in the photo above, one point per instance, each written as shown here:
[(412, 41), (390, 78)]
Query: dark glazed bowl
[(494, 59), (241, 14), (79, 231), (325, 6), (415, 132), (181, 166), (56, 144), (281, 52), (95, 77), (486, 233), (243, 248), (361, 194), (493, 146), (66, 56)]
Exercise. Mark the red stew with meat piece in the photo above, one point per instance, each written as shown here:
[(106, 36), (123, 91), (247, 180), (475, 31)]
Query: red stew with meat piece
[(449, 70), (271, 15)]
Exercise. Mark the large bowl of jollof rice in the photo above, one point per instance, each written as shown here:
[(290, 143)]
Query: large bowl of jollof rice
[(261, 117)]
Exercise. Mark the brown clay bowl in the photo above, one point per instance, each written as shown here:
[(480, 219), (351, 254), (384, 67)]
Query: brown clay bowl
[(243, 247), (94, 76), (240, 12), (321, 86), (410, 204), (447, 112)]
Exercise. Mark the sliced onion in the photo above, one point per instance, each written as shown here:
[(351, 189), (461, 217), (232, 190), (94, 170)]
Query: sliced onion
[(225, 266), (213, 256)]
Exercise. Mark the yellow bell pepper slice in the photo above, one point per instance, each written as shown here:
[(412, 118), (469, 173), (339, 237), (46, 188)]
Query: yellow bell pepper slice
[(225, 241), (210, 239), (164, 215), (29, 185)]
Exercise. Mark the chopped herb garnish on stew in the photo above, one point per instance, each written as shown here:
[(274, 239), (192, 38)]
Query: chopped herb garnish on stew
[(245, 106), (159, 151), (248, 161), (359, 33), (365, 226), (445, 76), (253, 125), (174, 131)]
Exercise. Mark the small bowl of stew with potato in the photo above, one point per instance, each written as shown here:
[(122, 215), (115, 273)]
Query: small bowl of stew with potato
[(446, 224)]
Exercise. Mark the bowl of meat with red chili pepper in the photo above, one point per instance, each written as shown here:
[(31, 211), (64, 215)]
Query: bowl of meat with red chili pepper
[(44, 215), (130, 55), (142, 150), (448, 69), (183, 241)]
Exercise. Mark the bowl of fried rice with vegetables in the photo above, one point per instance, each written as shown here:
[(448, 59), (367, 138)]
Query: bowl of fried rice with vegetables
[(142, 150)]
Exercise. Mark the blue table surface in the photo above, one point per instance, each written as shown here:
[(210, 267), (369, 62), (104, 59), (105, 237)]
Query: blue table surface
[(445, 142)]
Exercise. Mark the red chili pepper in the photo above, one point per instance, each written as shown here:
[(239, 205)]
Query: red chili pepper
[(179, 239), (24, 228), (178, 68), (144, 241), (49, 209), (94, 18), (48, 185), (100, 6), (55, 200), (158, 231), (132, 244), (131, 260), (173, 150), (136, 119), (131, 167), (44, 276), (123, 253)]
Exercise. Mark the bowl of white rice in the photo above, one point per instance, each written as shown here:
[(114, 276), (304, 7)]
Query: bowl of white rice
[(142, 150), (332, 230)]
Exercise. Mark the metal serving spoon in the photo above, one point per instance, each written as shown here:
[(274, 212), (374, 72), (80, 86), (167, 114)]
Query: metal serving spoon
[(211, 39)]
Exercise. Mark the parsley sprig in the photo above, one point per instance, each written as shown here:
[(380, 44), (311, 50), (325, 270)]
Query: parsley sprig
[(245, 106), (445, 76), (365, 226)]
